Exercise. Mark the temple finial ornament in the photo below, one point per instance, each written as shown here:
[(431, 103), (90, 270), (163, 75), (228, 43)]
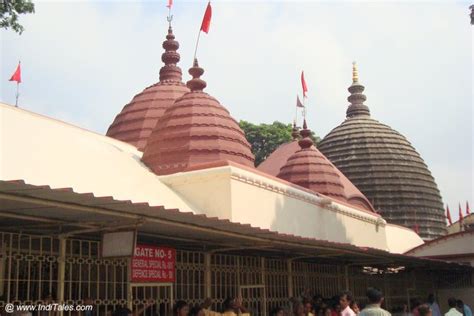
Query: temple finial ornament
[(357, 97), (355, 72), (295, 132), (170, 71), (305, 142), (196, 83)]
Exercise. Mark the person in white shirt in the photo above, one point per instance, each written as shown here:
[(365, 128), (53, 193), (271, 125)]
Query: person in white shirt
[(375, 297), (433, 305), (452, 308), (345, 300)]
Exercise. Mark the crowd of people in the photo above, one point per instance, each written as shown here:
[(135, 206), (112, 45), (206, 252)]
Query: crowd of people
[(343, 304), (340, 305)]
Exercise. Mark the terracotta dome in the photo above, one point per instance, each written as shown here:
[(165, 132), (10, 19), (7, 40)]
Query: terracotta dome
[(279, 157), (138, 118), (195, 130), (308, 168), (385, 167)]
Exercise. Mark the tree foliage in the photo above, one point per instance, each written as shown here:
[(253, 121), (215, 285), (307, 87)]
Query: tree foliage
[(10, 11), (265, 138)]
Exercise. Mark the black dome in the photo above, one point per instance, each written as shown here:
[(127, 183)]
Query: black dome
[(386, 168)]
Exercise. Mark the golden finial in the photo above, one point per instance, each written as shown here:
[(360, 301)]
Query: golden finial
[(355, 72)]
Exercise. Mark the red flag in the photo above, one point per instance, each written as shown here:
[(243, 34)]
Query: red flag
[(298, 102), (461, 217), (206, 20), (448, 215), (303, 84), (468, 210), (17, 74), (170, 4)]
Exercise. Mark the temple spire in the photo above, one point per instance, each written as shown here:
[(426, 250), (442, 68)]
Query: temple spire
[(170, 71), (357, 98), (305, 142), (295, 132), (196, 84)]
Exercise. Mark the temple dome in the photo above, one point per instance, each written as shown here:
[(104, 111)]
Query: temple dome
[(279, 157), (385, 167), (308, 168), (195, 130), (138, 118)]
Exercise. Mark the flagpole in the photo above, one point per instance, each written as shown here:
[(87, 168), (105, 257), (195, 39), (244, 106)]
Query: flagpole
[(304, 107), (17, 93), (197, 44), (296, 114), (206, 21), (169, 17)]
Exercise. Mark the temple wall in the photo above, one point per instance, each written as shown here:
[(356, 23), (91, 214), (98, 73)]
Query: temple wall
[(54, 153), (401, 239), (282, 208), (457, 247), (250, 198), (209, 192)]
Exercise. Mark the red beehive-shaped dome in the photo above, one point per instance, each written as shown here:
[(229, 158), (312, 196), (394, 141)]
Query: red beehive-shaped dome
[(310, 169), (195, 130), (137, 119)]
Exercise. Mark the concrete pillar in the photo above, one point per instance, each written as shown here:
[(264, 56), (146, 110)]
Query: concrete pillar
[(290, 277), (129, 284), (207, 275), (346, 277), (61, 271), (263, 271)]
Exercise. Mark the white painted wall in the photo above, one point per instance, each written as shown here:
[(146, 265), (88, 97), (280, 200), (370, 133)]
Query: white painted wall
[(268, 203), (45, 151), (251, 198), (401, 239)]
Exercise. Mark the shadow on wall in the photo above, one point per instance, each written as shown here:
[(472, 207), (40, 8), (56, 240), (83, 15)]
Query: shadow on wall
[(300, 218)]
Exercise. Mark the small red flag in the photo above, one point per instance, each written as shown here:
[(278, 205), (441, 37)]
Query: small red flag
[(448, 215), (17, 74), (461, 217), (206, 20), (303, 84), (468, 210), (170, 4)]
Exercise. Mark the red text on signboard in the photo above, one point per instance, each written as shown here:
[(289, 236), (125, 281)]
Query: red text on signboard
[(153, 264)]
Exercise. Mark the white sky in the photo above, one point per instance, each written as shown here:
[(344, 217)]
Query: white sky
[(82, 61)]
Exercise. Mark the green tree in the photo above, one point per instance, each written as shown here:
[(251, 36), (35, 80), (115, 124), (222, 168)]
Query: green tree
[(11, 9), (265, 138)]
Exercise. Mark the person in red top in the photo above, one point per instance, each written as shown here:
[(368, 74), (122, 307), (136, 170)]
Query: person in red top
[(336, 309), (415, 303)]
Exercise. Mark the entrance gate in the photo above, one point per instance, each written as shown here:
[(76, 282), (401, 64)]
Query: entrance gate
[(154, 298)]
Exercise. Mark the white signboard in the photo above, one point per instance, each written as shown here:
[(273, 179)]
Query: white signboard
[(118, 244)]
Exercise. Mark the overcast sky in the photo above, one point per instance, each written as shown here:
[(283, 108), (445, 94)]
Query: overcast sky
[(82, 61)]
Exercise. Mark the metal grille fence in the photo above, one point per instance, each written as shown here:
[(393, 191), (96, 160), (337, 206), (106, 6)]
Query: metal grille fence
[(326, 280), (190, 270), (276, 282), (29, 266)]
